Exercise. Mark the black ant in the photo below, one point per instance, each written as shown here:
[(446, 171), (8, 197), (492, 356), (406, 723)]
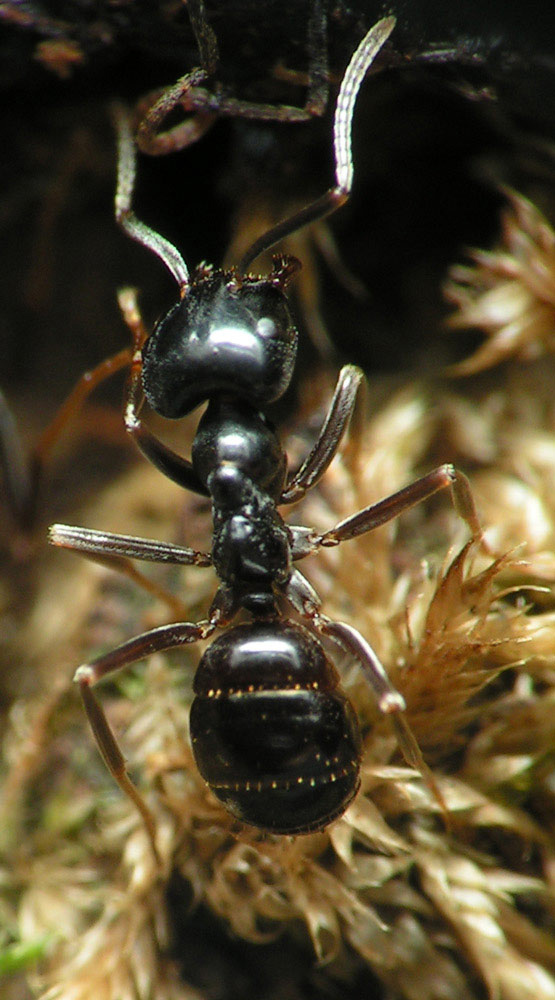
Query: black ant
[(272, 733)]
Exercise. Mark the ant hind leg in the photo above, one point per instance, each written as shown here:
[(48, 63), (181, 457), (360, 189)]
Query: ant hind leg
[(390, 701), (89, 674)]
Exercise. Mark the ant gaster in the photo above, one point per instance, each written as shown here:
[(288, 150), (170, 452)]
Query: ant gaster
[(272, 733)]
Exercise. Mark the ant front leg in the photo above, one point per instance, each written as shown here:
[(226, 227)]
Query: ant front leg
[(88, 674), (329, 438), (206, 107), (170, 464)]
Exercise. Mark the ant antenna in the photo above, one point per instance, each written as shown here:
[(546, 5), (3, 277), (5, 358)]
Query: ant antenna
[(126, 217), (359, 64)]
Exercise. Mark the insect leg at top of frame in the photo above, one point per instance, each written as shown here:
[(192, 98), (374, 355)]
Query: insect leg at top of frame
[(360, 62), (206, 106)]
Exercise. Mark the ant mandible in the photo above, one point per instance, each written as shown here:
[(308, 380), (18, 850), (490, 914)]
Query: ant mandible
[(272, 733)]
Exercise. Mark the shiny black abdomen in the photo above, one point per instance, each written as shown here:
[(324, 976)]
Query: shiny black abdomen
[(272, 733)]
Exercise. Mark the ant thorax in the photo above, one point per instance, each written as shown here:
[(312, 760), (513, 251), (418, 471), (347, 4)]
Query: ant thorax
[(238, 456), (251, 548)]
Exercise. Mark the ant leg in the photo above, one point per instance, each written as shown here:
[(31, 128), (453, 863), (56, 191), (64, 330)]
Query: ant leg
[(88, 541), (22, 475), (307, 602), (89, 674), (329, 438), (207, 106), (390, 701), (117, 551), (179, 469), (446, 476), (76, 398)]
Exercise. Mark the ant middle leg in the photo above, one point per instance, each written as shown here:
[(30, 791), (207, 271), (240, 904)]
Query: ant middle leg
[(206, 106), (118, 551), (444, 477), (172, 465)]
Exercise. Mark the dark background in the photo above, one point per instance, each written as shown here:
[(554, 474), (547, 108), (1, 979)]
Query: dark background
[(464, 101)]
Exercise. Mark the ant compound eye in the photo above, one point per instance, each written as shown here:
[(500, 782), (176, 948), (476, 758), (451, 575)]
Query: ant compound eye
[(220, 339)]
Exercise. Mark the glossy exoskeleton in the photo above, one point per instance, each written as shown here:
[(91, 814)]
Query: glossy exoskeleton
[(272, 733)]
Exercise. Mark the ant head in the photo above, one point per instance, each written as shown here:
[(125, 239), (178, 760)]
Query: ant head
[(228, 334)]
